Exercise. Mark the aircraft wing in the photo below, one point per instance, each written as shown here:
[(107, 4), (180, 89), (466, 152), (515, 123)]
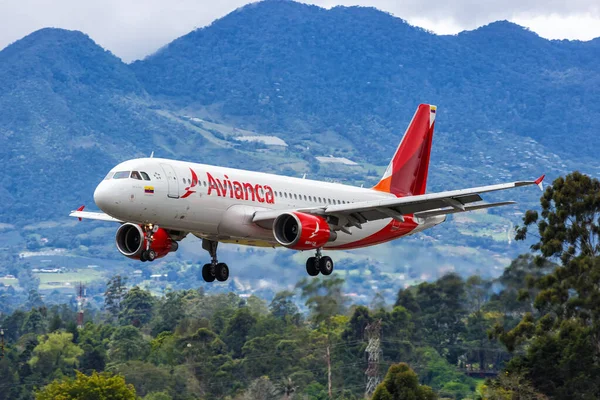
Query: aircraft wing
[(423, 206), (79, 213)]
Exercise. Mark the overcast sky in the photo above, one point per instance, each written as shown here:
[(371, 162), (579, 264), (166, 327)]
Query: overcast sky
[(132, 29)]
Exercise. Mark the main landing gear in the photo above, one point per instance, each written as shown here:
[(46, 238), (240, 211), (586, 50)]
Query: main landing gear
[(215, 269), (319, 263), (148, 254)]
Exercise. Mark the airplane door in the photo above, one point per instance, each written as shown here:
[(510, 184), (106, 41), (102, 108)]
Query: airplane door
[(172, 181)]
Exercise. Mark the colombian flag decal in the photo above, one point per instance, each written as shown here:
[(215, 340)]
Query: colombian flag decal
[(149, 189)]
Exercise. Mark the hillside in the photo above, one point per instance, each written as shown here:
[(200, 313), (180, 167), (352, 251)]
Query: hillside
[(359, 72), (342, 82)]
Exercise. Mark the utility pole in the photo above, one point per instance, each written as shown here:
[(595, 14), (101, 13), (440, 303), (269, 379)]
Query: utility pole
[(373, 350), (329, 370), (80, 302)]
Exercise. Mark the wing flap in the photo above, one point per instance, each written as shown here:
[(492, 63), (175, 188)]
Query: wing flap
[(446, 211)]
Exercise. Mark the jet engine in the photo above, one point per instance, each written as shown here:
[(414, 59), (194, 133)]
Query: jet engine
[(300, 231), (132, 243)]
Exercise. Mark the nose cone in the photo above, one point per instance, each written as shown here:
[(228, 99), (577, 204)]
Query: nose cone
[(103, 197)]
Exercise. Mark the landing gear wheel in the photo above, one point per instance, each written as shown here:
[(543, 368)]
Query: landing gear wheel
[(326, 265), (207, 273), (222, 272), (143, 257), (151, 255), (312, 266)]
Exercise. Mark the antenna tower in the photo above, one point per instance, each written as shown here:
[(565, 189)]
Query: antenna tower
[(373, 350)]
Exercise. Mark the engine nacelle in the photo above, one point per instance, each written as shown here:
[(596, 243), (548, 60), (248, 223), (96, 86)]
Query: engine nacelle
[(131, 241), (300, 231)]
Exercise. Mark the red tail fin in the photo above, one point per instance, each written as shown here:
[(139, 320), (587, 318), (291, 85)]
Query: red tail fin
[(407, 173)]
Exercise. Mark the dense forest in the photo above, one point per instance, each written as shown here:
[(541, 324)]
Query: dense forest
[(533, 332)]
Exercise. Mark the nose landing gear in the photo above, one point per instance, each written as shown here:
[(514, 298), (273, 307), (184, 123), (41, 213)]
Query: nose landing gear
[(319, 263), (215, 269)]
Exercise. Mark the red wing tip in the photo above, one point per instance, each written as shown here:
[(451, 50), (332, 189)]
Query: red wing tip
[(80, 209), (540, 179), (538, 182)]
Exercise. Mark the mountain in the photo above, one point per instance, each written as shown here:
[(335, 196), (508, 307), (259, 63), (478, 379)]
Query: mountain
[(342, 82), (289, 67), (71, 111)]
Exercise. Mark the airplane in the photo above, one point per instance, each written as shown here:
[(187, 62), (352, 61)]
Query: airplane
[(158, 202)]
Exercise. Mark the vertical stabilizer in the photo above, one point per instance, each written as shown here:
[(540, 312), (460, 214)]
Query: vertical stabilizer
[(407, 173)]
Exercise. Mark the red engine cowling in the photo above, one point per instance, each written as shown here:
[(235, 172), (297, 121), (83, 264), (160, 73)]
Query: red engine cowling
[(300, 231), (131, 241)]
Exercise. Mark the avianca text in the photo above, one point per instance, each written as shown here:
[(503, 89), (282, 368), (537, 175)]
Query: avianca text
[(240, 190)]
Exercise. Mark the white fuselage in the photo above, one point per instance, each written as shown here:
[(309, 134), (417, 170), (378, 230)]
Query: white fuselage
[(218, 203)]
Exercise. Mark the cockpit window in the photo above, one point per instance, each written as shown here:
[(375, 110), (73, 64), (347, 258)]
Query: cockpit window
[(121, 175), (145, 176), (108, 176), (136, 175)]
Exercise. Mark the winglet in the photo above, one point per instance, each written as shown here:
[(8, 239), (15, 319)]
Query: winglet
[(538, 182), (80, 209)]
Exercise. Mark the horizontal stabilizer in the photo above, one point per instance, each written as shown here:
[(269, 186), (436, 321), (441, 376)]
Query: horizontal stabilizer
[(445, 211), (93, 215)]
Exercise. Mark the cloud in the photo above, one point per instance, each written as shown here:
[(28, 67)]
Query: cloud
[(469, 14), (132, 29)]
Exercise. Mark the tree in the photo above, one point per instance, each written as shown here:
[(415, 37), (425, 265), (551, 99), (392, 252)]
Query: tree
[(98, 386), (127, 343), (114, 294), (56, 352), (324, 297), (170, 312), (261, 389), (401, 383), (237, 330), (283, 307), (441, 313), (136, 307), (570, 218), (509, 386), (562, 356), (34, 322)]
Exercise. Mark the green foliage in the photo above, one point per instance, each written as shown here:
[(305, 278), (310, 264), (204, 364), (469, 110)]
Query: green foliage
[(136, 307), (562, 353), (401, 382), (95, 387), (127, 343), (237, 330), (569, 225), (56, 354), (114, 294), (158, 396), (324, 297)]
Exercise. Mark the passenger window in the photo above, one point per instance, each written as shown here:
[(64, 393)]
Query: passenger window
[(295, 196), (285, 194), (145, 176), (121, 175)]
